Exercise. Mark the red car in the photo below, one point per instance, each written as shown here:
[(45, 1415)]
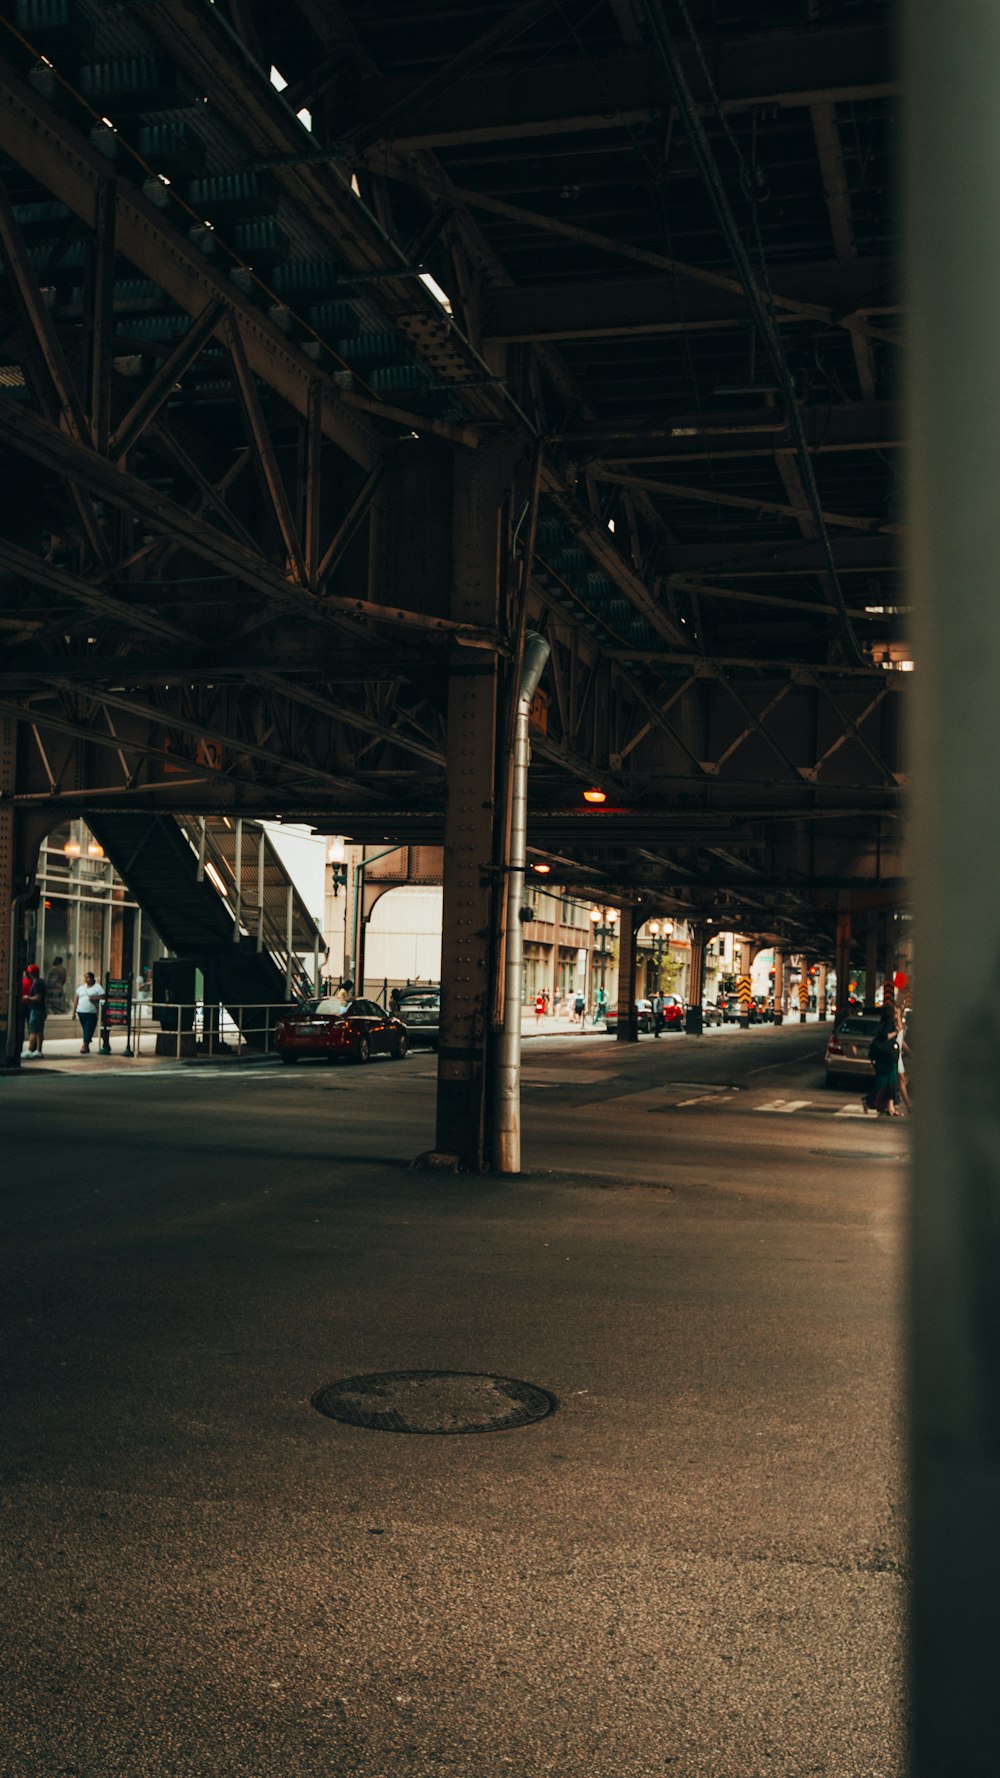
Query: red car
[(673, 1013), (353, 1033)]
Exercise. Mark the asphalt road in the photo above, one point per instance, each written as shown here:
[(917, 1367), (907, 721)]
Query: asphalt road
[(693, 1567)]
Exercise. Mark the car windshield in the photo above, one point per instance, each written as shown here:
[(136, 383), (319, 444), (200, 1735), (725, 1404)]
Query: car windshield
[(865, 1025)]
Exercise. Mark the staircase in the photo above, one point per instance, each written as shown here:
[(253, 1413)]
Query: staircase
[(218, 894)]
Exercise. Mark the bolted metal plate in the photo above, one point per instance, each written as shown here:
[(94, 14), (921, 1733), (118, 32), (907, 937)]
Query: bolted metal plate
[(434, 1401)]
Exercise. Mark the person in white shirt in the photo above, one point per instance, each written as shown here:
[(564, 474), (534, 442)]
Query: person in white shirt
[(86, 1006)]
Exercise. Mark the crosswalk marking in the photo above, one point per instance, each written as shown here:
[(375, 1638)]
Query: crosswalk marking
[(851, 1111), (784, 1105)]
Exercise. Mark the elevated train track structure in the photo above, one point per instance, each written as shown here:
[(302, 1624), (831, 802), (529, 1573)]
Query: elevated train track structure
[(277, 517)]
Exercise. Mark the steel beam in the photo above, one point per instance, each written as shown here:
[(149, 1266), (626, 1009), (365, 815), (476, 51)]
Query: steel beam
[(544, 97), (693, 437), (607, 308), (78, 464), (62, 160)]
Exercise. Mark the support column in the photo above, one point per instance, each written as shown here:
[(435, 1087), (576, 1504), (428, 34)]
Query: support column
[(952, 78), (821, 993), (469, 949), (21, 836), (843, 965), (779, 987), (9, 920), (696, 982), (556, 906), (628, 934), (744, 984), (871, 964)]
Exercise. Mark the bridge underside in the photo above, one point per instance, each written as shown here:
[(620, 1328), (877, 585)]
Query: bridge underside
[(277, 521)]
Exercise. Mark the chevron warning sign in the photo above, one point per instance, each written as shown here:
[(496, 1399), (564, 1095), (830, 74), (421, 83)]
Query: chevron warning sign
[(745, 992)]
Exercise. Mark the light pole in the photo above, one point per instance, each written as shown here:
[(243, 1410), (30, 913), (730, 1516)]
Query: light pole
[(603, 922), (661, 932)]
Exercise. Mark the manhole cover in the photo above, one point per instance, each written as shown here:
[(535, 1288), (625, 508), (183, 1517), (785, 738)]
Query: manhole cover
[(434, 1401)]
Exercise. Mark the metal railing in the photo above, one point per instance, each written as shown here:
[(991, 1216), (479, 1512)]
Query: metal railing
[(203, 1030)]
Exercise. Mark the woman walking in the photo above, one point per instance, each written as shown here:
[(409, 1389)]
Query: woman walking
[(883, 1095), (86, 1006)]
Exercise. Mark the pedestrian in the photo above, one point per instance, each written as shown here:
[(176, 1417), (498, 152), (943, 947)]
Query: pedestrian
[(656, 1007), (539, 1008), (30, 971), (35, 1010), (394, 1002), (883, 1094), (600, 1005), (345, 992), (579, 1006), (904, 1051), (55, 986), (86, 1006)]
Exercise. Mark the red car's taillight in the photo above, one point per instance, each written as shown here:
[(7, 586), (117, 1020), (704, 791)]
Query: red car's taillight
[(835, 1048)]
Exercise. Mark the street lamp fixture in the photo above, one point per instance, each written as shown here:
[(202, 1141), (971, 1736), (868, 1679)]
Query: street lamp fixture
[(595, 796), (603, 921), (336, 858)]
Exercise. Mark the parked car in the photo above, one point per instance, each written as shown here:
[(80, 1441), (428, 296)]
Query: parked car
[(420, 1011), (644, 1015), (353, 1033), (711, 1012), (732, 1011), (848, 1046)]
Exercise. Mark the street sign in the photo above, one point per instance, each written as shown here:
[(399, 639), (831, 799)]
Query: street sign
[(116, 1011)]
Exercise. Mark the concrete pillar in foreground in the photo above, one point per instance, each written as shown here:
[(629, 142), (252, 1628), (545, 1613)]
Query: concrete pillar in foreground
[(779, 986), (628, 933), (821, 993), (953, 203)]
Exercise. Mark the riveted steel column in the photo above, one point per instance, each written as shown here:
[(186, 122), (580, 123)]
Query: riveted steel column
[(472, 880), (843, 963), (744, 981), (628, 1018), (953, 201), (779, 987), (871, 964), (821, 993), (694, 1018), (9, 923)]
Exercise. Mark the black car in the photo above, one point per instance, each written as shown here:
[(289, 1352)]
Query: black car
[(420, 1011)]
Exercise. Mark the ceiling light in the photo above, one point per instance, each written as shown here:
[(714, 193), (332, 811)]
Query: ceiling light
[(72, 848), (542, 869), (595, 796)]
